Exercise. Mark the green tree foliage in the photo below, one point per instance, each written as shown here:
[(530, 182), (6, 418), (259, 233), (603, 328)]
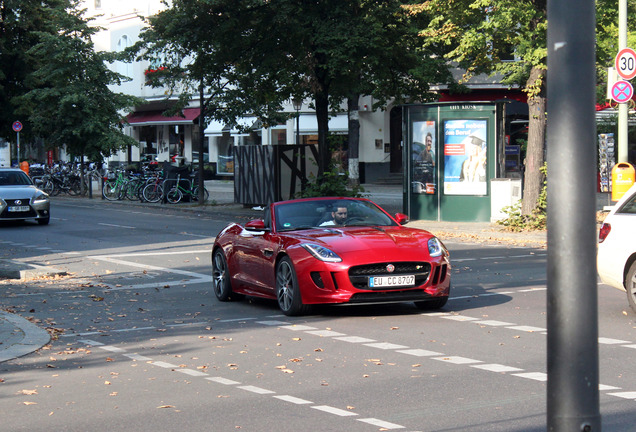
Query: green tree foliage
[(63, 92), (19, 21), (478, 35), (254, 55)]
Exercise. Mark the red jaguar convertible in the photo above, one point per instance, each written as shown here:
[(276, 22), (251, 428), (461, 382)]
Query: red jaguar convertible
[(330, 250)]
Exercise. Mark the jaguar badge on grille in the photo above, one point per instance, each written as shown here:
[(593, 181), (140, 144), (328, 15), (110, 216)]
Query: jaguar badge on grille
[(390, 268)]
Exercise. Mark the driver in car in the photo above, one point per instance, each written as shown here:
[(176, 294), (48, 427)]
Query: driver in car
[(338, 217)]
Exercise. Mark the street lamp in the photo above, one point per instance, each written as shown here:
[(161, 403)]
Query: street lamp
[(298, 104)]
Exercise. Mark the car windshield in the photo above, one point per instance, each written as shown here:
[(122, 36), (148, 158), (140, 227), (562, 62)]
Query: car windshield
[(325, 213), (14, 178)]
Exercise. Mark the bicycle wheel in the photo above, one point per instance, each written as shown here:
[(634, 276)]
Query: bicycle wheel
[(132, 190), (74, 187), (174, 195), (195, 194), (111, 191), (48, 187), (153, 193)]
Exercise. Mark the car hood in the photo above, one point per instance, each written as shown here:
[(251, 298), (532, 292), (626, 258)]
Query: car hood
[(16, 192), (382, 242)]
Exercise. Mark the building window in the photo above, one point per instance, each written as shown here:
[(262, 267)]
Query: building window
[(124, 68)]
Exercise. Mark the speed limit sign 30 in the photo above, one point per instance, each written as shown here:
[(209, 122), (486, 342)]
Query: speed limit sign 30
[(625, 63)]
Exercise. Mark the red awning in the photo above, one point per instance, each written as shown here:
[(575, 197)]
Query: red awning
[(142, 118)]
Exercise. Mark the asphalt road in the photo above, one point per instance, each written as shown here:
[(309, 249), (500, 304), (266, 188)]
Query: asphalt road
[(141, 344)]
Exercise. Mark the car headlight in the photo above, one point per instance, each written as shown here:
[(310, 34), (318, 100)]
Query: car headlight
[(41, 198), (322, 253), (435, 247)]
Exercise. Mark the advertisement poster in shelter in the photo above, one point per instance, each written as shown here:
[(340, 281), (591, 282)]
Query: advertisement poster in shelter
[(424, 157), (465, 157)]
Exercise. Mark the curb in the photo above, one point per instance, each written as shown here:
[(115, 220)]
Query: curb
[(24, 336), (11, 269)]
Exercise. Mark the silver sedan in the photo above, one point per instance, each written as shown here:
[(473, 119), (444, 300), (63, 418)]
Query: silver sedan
[(20, 199)]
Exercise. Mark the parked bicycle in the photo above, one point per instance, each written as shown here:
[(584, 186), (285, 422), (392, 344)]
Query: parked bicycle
[(177, 191)]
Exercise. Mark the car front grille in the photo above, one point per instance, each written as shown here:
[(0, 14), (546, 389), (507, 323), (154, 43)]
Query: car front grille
[(359, 275), (16, 215)]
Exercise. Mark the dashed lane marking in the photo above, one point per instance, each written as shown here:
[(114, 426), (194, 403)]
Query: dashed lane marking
[(250, 388)]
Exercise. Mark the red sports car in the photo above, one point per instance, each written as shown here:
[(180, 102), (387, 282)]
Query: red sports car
[(330, 250)]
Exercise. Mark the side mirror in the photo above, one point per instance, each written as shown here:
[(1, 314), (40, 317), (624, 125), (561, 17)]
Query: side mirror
[(255, 225), (401, 218)]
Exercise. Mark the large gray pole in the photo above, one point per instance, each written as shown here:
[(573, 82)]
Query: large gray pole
[(623, 109), (573, 395)]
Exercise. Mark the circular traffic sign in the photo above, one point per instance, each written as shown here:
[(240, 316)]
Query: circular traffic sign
[(622, 91), (625, 63), (17, 126)]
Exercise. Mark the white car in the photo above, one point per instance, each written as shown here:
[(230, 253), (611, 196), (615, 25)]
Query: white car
[(617, 247)]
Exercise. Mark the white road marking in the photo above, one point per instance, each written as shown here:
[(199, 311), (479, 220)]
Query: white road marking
[(192, 372), (457, 360), (112, 349), (90, 342), (223, 381), (385, 345), (332, 410), (138, 357), (528, 329), (537, 376), (493, 323), (235, 320), (624, 395), (460, 318), (257, 390), (381, 423), (610, 341), (115, 225), (354, 339), (298, 327), (292, 399), (420, 352), (324, 333), (164, 365), (273, 323), (493, 367), (603, 387)]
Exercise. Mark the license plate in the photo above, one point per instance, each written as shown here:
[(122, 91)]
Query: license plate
[(19, 208), (389, 281)]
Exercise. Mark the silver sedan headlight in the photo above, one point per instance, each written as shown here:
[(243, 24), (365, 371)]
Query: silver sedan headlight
[(41, 198)]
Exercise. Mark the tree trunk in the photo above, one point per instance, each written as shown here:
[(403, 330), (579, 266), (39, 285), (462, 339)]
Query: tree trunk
[(322, 117), (535, 153), (354, 141)]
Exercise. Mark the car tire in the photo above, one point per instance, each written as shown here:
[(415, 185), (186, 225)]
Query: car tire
[(221, 278), (44, 221), (436, 303), (630, 286), (287, 289)]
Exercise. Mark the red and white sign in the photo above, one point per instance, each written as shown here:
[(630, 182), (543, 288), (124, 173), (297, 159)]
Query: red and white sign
[(625, 63), (622, 91)]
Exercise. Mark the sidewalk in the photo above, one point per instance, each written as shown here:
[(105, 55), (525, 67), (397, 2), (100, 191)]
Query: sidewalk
[(19, 337)]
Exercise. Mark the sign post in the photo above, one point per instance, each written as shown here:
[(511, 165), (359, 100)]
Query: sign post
[(17, 127)]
